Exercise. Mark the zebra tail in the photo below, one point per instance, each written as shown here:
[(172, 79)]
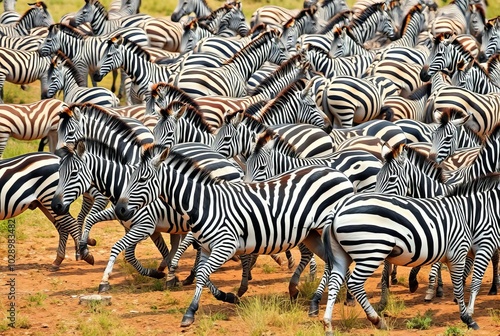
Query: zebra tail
[(387, 113)]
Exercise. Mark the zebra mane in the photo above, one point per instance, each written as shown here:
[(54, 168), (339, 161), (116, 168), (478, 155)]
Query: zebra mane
[(105, 117), (68, 30), (249, 48), (366, 13), (481, 184), (282, 97), (348, 32), (195, 22), (99, 8), (420, 92), (215, 13), (335, 20), (189, 112), (257, 29), (475, 64), (490, 23), (27, 12), (263, 139), (449, 114), (104, 150), (135, 48), (303, 13), (285, 68), (478, 7), (408, 17), (393, 4), (68, 64), (252, 123), (178, 94), (256, 107)]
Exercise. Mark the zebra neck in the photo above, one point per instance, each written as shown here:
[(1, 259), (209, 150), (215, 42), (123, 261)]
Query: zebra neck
[(100, 20)]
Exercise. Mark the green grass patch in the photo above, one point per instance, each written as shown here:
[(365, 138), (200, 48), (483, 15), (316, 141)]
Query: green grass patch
[(455, 331), (36, 299), (420, 322), (207, 322)]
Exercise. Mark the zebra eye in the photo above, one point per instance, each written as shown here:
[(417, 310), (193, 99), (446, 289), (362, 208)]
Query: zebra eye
[(392, 179)]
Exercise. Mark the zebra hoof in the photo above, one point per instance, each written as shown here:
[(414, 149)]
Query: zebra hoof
[(242, 291), (413, 286), (189, 280), (89, 258), (394, 281), (54, 268), (172, 283), (493, 290), (91, 242), (314, 306), (439, 292), (157, 275), (293, 291), (473, 326), (187, 320), (231, 298), (467, 319), (104, 287)]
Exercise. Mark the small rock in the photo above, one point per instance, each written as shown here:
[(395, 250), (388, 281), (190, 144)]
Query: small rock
[(45, 325), (134, 312), (74, 296), (87, 299)]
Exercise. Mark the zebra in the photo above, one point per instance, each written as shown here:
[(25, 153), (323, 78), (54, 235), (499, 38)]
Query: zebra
[(85, 51), (272, 156), (451, 18), (36, 16), (272, 16), (302, 23), (27, 43), (30, 121), (347, 100), (413, 107), (230, 79), (257, 204), (238, 134), (490, 45), (63, 75), (94, 13), (199, 7), (9, 15), (227, 21), (321, 62), (371, 20), (23, 67), (412, 26), (477, 21), (29, 181), (474, 77), (453, 232)]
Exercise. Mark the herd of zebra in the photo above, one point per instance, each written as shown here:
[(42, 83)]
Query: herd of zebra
[(368, 134)]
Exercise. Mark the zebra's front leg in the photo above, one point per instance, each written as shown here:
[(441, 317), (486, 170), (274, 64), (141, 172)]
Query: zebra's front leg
[(105, 215), (172, 279), (132, 260), (208, 264), (496, 280), (246, 261), (384, 285), (412, 279), (93, 201), (318, 294), (136, 234), (61, 249)]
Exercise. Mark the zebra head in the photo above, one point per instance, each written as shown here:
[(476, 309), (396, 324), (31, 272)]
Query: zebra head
[(259, 165), (55, 76), (164, 130), (493, 45), (304, 23), (234, 21), (52, 42), (477, 20), (445, 137), (233, 137), (186, 7), (439, 59), (85, 14), (388, 27), (192, 34), (144, 184), (112, 59), (460, 76), (70, 127), (74, 177), (40, 16), (392, 178)]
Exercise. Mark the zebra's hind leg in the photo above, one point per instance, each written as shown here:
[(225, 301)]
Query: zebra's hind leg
[(394, 275), (61, 249), (435, 269), (412, 279), (456, 273), (93, 201), (291, 260), (305, 257), (208, 264), (246, 261), (384, 284), (135, 234), (481, 260), (496, 280)]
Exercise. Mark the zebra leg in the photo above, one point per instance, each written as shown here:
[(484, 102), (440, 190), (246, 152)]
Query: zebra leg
[(439, 289), (160, 244), (175, 241), (61, 249), (429, 293), (93, 201), (338, 262), (132, 260), (105, 215), (412, 279), (318, 294), (481, 261), (384, 285), (135, 234), (277, 258), (246, 260), (456, 273), (394, 275), (494, 261), (291, 260), (313, 268), (172, 279), (208, 264), (305, 257)]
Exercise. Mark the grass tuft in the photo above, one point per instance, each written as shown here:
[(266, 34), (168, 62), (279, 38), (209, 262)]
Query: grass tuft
[(420, 322), (36, 299)]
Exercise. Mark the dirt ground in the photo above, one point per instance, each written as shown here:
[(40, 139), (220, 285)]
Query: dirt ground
[(47, 302)]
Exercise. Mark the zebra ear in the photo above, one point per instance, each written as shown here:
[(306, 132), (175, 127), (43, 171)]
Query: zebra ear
[(159, 159)]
